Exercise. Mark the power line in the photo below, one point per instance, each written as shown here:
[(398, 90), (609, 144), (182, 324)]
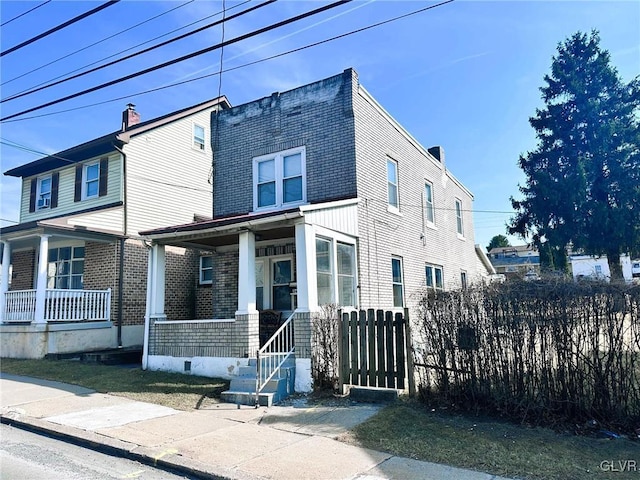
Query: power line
[(24, 13), (146, 50), (282, 54), (59, 27), (180, 59), (133, 47), (96, 43)]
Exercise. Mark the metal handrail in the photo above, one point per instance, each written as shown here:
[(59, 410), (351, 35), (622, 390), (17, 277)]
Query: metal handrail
[(275, 352)]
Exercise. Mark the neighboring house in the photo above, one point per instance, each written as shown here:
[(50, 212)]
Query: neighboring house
[(78, 267), (597, 267), (516, 261), (320, 197)]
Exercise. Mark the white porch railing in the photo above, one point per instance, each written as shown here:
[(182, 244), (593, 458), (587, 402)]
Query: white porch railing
[(60, 305), (274, 354)]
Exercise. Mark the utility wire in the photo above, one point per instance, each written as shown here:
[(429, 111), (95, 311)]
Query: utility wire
[(310, 45), (24, 13), (146, 50), (180, 59), (133, 47), (96, 43), (59, 27)]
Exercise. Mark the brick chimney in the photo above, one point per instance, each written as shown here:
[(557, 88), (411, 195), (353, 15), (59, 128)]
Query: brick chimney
[(130, 117)]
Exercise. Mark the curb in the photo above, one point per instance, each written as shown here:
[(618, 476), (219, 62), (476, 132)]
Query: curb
[(172, 462)]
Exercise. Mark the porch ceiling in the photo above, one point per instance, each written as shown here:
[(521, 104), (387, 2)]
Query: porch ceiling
[(29, 235), (210, 240)]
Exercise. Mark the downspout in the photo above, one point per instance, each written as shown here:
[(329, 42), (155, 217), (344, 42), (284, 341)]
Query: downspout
[(122, 243), (147, 311)]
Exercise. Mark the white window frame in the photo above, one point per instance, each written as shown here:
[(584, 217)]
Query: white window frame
[(54, 276), (391, 207), (40, 195), (330, 273), (195, 143), (400, 283), (86, 181), (279, 178), (431, 277), (429, 205), (464, 279), (334, 270), (459, 218), (202, 269)]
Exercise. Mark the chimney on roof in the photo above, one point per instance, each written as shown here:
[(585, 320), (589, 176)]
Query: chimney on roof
[(130, 117), (437, 152)]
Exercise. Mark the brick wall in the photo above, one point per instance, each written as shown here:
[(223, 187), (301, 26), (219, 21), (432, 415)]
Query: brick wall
[(317, 116), (238, 338), (100, 270), (23, 269)]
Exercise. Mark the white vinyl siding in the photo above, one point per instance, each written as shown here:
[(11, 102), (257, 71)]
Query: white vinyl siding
[(160, 190), (66, 188)]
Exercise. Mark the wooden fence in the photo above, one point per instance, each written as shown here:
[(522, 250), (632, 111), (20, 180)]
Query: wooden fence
[(375, 349)]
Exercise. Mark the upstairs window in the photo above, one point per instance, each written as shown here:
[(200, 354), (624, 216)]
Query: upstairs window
[(392, 184), (91, 180), (279, 180), (198, 137), (459, 225), (43, 199), (429, 210)]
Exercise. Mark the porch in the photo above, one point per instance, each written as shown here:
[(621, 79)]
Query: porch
[(261, 262), (57, 305)]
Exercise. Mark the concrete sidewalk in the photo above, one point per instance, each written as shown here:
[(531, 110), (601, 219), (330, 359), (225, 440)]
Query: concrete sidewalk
[(222, 441)]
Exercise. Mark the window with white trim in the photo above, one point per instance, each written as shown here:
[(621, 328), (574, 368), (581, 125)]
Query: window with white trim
[(206, 270), (324, 271), (392, 184), (336, 272), (66, 268), (463, 279), (91, 180), (459, 225), (279, 180), (434, 276), (198, 137), (429, 210), (397, 281), (43, 196)]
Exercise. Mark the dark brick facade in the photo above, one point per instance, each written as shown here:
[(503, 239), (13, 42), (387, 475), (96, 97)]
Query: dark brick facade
[(23, 269)]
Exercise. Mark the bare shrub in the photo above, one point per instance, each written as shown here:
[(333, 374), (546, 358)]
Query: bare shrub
[(545, 351), (324, 347)]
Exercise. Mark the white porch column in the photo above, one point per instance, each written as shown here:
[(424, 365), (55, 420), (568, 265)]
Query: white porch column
[(306, 268), (41, 280), (157, 282), (247, 274), (4, 279)]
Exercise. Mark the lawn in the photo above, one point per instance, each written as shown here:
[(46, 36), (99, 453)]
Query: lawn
[(407, 428), (175, 390)]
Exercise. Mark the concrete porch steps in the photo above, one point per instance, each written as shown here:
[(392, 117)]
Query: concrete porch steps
[(242, 390)]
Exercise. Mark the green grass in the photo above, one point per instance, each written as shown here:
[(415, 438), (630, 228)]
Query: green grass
[(408, 429), (175, 390)]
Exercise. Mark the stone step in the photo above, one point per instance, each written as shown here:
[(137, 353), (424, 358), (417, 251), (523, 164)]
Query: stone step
[(247, 398)]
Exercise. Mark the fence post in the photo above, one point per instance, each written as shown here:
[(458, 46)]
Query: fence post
[(411, 380)]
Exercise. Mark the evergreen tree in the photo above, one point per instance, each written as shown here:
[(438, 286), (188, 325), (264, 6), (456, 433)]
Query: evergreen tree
[(498, 241), (583, 179)]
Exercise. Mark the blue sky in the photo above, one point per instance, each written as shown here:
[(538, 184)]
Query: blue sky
[(465, 75)]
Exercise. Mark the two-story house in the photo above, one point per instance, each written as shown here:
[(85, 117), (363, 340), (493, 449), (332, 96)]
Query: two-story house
[(320, 197), (78, 266)]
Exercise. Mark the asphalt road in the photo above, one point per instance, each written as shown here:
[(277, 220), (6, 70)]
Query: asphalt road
[(28, 456)]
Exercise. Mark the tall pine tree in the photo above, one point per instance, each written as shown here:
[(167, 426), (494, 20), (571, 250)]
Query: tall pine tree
[(583, 179)]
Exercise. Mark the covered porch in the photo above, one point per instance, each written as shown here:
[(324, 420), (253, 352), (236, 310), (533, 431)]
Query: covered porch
[(263, 263), (45, 306)]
